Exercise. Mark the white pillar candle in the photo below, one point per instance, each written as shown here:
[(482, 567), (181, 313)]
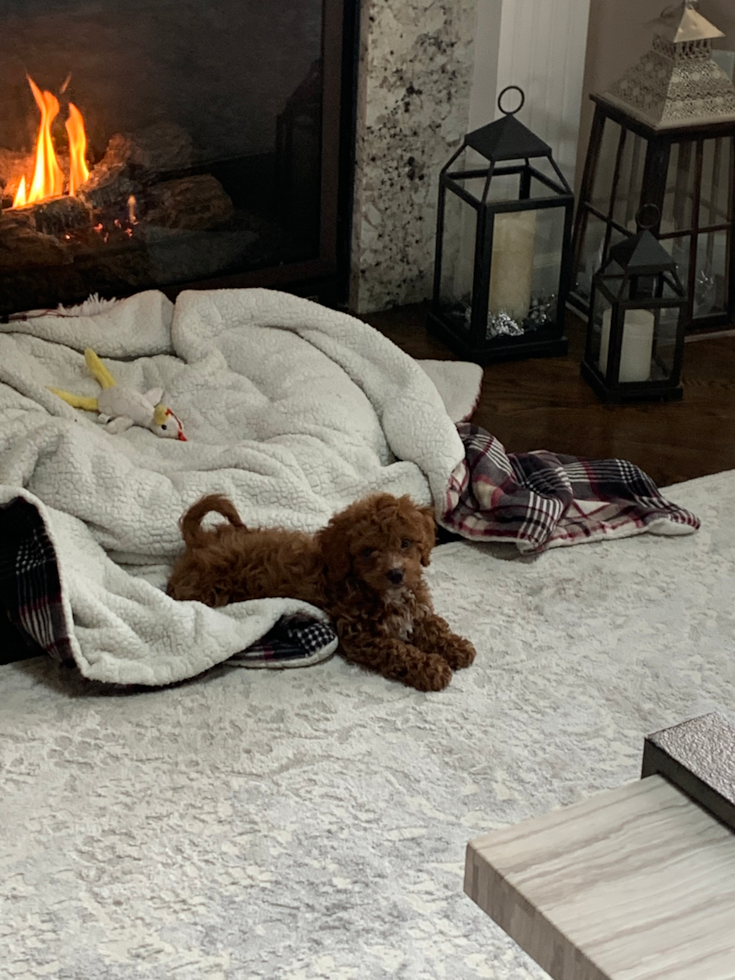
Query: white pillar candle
[(511, 272), (637, 347)]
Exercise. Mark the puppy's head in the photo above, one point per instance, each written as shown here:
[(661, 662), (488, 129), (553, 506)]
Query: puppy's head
[(382, 541)]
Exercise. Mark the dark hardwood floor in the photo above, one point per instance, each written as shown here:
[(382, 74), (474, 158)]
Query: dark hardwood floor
[(544, 404)]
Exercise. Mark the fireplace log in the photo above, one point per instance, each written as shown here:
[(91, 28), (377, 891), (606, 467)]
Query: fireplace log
[(162, 148), (132, 160), (196, 203), (109, 183), (21, 245), (60, 214), (158, 149)]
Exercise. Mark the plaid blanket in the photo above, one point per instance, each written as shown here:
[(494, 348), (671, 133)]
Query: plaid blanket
[(542, 500), (31, 602)]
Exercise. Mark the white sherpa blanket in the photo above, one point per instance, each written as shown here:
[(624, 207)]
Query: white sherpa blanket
[(291, 409)]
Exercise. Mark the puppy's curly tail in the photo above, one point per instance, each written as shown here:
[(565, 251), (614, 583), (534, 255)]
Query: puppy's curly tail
[(190, 523)]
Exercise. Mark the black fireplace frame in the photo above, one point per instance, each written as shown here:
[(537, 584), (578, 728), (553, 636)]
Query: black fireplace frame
[(325, 278)]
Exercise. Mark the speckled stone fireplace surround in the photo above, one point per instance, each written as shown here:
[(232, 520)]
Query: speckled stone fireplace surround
[(414, 84)]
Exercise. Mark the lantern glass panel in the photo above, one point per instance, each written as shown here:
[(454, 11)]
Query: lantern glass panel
[(548, 257), (458, 259), (710, 279), (601, 192), (710, 290), (626, 202), (714, 204), (538, 189), (504, 187), (664, 348), (599, 316), (594, 251), (469, 171), (641, 288), (676, 213)]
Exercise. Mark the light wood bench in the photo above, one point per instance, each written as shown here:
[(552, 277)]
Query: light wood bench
[(636, 883)]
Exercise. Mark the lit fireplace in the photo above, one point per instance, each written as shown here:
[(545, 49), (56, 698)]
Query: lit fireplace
[(195, 149), (143, 193)]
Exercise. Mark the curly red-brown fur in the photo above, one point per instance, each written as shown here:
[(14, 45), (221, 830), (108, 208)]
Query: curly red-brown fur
[(365, 569)]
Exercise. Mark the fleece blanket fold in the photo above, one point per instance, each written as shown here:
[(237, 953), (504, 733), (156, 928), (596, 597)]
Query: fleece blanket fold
[(291, 409)]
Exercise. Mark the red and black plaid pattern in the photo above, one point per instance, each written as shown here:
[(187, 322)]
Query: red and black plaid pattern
[(541, 499)]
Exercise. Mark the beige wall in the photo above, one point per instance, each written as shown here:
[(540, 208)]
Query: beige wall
[(619, 33)]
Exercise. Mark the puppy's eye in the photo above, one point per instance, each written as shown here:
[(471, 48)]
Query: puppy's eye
[(405, 543), (367, 552)]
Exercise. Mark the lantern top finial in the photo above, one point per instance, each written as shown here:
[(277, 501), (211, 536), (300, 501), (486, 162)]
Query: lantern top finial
[(677, 83), (640, 255), (507, 138), (682, 22), (647, 217)]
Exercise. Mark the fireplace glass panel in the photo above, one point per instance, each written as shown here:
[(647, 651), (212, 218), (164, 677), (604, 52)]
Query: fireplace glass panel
[(203, 124)]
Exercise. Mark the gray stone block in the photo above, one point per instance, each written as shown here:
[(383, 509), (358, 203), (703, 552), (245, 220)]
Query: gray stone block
[(698, 756)]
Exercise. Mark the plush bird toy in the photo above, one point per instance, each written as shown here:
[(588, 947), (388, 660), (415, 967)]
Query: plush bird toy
[(119, 408)]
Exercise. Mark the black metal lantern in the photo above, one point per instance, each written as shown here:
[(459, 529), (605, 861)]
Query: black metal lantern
[(635, 333), (503, 255)]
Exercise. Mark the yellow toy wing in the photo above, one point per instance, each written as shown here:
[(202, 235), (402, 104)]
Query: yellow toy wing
[(77, 401), (98, 370)]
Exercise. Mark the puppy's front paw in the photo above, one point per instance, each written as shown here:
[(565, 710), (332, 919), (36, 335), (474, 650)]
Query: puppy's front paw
[(434, 674), (459, 653)]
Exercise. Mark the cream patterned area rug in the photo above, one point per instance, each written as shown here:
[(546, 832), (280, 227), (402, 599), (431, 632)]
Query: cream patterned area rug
[(307, 824)]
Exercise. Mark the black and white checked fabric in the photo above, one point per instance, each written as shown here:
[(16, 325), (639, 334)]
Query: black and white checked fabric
[(293, 642), (30, 590)]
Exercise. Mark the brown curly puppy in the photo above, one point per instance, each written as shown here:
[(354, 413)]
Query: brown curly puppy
[(365, 569)]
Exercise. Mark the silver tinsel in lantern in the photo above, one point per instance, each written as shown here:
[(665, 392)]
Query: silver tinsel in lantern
[(502, 325), (540, 313)]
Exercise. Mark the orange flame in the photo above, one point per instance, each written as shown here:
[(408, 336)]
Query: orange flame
[(48, 178), (78, 170), (21, 195)]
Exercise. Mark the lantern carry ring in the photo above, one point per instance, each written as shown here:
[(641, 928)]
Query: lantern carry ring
[(511, 88)]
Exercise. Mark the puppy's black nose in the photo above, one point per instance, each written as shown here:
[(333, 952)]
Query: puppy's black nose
[(395, 576)]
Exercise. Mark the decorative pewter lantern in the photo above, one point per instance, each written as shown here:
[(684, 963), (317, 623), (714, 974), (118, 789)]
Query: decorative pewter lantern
[(635, 334), (502, 269), (663, 134)]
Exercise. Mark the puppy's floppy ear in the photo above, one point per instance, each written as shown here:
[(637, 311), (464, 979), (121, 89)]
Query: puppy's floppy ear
[(428, 537), (335, 546)]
